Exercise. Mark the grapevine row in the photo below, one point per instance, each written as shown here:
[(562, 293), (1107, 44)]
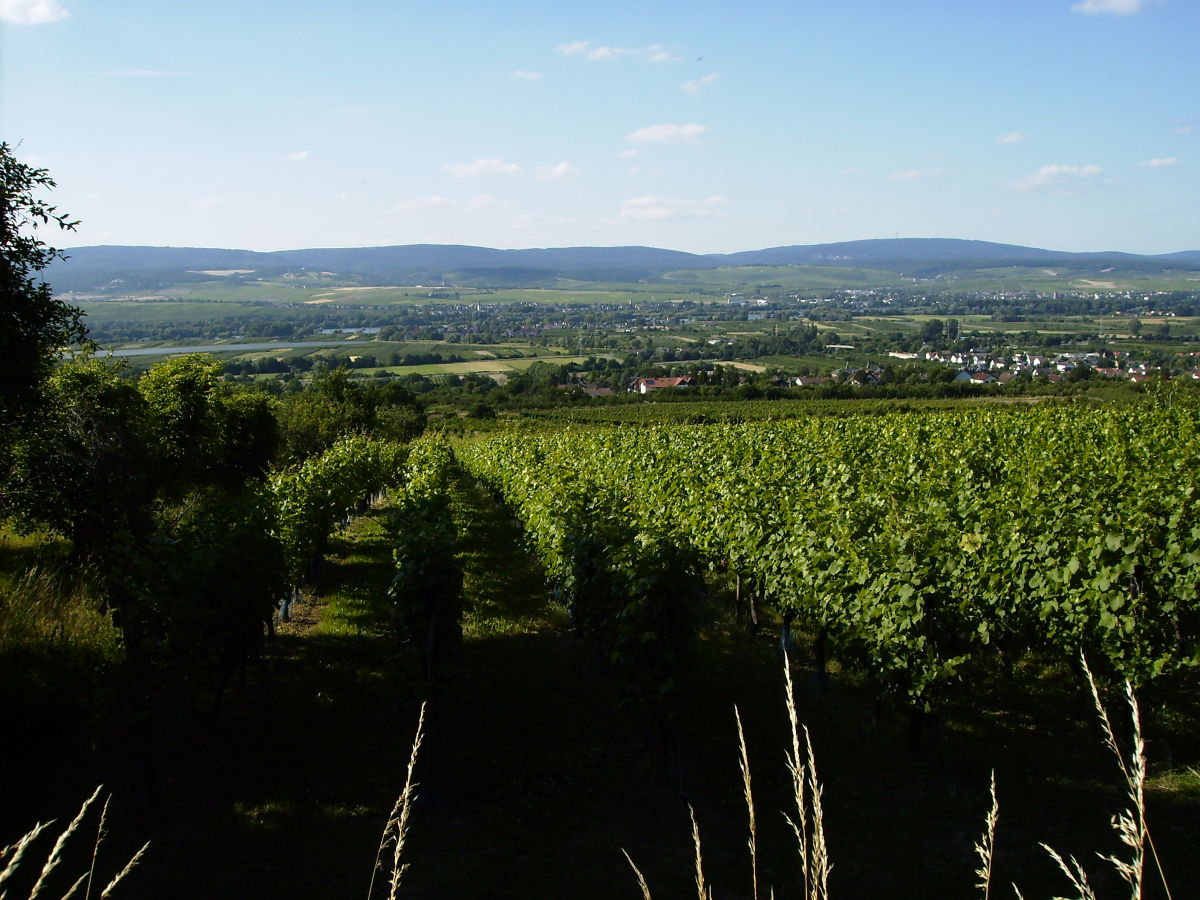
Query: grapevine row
[(912, 542)]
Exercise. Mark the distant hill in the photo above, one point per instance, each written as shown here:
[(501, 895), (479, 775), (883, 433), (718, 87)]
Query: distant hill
[(926, 256), (108, 268)]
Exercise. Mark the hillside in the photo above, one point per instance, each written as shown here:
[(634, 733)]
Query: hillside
[(104, 269)]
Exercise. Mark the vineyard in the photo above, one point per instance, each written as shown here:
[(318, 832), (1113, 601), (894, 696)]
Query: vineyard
[(916, 563), (911, 545)]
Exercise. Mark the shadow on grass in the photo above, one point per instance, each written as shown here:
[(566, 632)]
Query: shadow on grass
[(505, 588)]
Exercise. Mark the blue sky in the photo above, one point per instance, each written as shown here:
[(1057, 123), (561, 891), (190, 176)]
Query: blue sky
[(700, 126)]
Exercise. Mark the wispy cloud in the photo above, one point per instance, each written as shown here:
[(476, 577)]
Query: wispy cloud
[(208, 202), (694, 87), (645, 209), (631, 153), (32, 12), (916, 174), (653, 208), (1050, 176), (556, 172), (298, 156), (436, 201), (1012, 137), (1109, 7), (481, 167), (668, 134), (439, 201), (654, 53), (1184, 129), (527, 76), (574, 48), (1162, 162)]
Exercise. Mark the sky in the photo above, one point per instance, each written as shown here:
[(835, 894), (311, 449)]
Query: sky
[(709, 127)]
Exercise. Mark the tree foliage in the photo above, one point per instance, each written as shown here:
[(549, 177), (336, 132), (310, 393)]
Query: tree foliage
[(33, 324)]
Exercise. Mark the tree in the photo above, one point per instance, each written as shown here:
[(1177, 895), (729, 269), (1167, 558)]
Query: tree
[(33, 324), (82, 467)]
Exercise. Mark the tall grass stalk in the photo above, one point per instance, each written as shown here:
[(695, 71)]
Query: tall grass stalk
[(752, 840), (55, 857), (396, 829), (641, 880), (1075, 874), (15, 853), (809, 823), (985, 848), (1130, 824), (702, 890)]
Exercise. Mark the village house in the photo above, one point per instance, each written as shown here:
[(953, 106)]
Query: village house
[(646, 385)]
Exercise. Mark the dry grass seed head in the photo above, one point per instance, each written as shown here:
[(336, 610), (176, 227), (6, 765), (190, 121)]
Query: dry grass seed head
[(55, 857), (986, 846), (119, 877), (752, 841), (641, 880), (702, 890)]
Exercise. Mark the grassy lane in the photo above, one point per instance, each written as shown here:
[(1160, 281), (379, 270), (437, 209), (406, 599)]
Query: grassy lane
[(286, 792), (536, 778)]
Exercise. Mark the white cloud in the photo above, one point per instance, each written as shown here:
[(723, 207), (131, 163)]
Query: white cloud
[(1055, 175), (631, 153), (574, 48), (1184, 129), (653, 208), (527, 76), (668, 134), (645, 209), (693, 87), (437, 201), (1012, 137), (1112, 7), (556, 172), (481, 167), (1164, 162), (600, 54), (298, 155), (851, 171), (208, 202), (32, 12), (654, 53), (481, 201), (916, 174)]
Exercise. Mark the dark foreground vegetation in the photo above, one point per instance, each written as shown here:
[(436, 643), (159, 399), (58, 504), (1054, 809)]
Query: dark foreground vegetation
[(534, 774)]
